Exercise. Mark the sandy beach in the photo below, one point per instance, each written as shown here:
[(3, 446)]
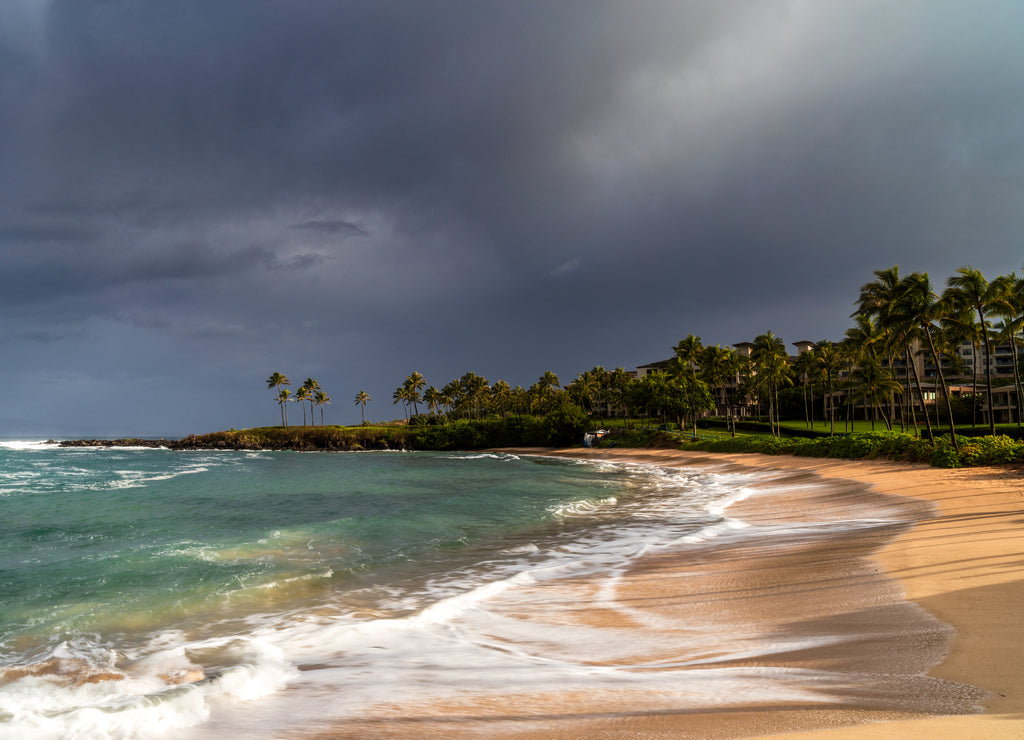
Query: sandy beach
[(962, 565), (927, 615)]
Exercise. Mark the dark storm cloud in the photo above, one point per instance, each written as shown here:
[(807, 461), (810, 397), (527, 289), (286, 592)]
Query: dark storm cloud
[(340, 228), (353, 190)]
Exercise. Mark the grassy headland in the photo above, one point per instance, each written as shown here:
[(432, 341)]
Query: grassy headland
[(566, 429)]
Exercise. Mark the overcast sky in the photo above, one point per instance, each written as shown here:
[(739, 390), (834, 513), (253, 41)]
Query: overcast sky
[(196, 194)]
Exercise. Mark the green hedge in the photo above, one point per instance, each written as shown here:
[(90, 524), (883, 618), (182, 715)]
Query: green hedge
[(561, 428), (878, 445)]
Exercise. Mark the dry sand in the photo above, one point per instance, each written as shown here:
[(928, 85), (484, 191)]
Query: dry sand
[(961, 563)]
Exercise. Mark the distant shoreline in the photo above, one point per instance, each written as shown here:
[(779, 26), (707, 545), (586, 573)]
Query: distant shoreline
[(298, 439)]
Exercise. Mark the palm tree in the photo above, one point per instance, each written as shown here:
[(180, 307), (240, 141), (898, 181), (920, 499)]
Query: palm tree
[(283, 396), (618, 381), (362, 398), (715, 364), (402, 395), (414, 384), (473, 392), (302, 395), (918, 303), (863, 342), (501, 397), (806, 368), (452, 393), (829, 359), (582, 390), (771, 367), (878, 299), (549, 380), (874, 385), (544, 392), (969, 290), (688, 350), (1008, 332), (276, 380), (684, 366), (1015, 317), (321, 399), (434, 399), (959, 326), (311, 387)]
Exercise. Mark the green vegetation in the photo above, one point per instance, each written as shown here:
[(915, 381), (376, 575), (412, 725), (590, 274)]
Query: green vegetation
[(561, 428), (987, 450), (861, 397)]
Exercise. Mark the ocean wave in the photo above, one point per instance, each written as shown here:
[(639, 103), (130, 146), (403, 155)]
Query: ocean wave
[(29, 445), (581, 507), (81, 690), (139, 478), (506, 456)]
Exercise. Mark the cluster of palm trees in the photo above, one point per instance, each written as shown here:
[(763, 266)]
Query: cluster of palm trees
[(599, 392), (309, 392), (898, 317), (473, 396), (711, 376), (897, 320)]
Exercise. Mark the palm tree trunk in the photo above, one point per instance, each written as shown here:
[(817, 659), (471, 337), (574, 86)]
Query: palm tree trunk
[(989, 359), (892, 395), (885, 419), (942, 384), (1016, 379), (974, 383), (831, 409), (811, 392)]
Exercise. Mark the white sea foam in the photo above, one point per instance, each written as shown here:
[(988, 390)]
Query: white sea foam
[(89, 693), (505, 456), (712, 530), (27, 444), (581, 507)]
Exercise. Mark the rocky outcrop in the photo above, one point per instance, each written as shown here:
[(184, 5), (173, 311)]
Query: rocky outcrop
[(234, 442), (155, 443)]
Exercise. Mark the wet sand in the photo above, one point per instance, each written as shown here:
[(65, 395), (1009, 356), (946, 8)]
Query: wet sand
[(928, 616)]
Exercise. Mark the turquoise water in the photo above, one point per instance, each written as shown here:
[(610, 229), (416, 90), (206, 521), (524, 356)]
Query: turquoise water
[(144, 588), (99, 539), (191, 595)]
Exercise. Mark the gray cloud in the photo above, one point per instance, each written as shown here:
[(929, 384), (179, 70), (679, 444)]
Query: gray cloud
[(329, 226), (353, 190)]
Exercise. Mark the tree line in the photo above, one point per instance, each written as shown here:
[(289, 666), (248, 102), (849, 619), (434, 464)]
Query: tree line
[(897, 314), (897, 319)]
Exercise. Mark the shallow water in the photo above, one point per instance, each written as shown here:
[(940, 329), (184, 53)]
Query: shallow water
[(196, 593)]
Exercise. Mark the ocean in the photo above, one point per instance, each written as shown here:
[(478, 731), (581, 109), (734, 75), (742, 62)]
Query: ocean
[(151, 593)]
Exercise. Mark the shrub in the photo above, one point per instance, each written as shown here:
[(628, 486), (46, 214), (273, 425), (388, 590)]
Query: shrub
[(566, 426), (997, 450)]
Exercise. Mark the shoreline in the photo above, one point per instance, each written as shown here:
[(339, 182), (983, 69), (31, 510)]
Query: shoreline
[(961, 565)]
